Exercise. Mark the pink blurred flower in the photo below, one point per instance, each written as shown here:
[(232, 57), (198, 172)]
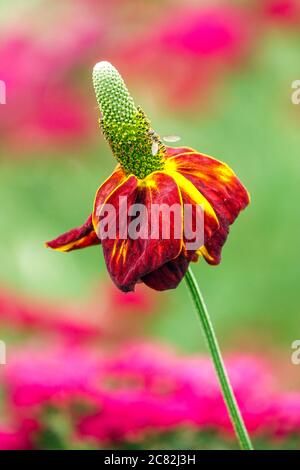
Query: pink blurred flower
[(107, 313), (287, 414), (40, 57), (282, 11), (161, 391), (191, 48), (50, 375), (145, 388), (139, 301), (18, 437), (218, 32), (63, 319)]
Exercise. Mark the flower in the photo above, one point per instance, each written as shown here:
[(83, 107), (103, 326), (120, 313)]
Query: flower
[(282, 11), (195, 45), (18, 437), (47, 108), (287, 413), (77, 322), (151, 175), (126, 393), (57, 375), (70, 321), (139, 388)]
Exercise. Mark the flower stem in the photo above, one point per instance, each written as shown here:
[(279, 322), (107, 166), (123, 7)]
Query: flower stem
[(228, 395)]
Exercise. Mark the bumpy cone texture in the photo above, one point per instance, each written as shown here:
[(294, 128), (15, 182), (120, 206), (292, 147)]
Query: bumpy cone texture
[(126, 128)]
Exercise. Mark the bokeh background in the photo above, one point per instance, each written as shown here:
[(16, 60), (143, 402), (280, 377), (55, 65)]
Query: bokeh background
[(87, 366)]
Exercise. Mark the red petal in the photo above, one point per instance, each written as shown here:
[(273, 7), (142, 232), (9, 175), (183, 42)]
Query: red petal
[(104, 191), (199, 206), (174, 151), (219, 185), (79, 237), (169, 275), (130, 259)]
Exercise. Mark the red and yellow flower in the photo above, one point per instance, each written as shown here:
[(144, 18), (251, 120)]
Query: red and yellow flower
[(163, 176)]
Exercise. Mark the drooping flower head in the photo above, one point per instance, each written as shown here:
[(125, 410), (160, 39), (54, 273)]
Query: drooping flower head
[(151, 176)]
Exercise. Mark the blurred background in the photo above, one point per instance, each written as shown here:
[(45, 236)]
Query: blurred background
[(90, 367)]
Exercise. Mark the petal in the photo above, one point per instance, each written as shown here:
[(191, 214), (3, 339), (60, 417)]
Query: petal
[(169, 275), (104, 191), (85, 235), (174, 151), (191, 196), (219, 185), (79, 237), (130, 259)]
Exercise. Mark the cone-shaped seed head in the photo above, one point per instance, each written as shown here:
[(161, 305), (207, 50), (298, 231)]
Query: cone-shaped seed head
[(125, 126)]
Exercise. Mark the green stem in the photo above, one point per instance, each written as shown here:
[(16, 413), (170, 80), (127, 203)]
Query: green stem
[(228, 395)]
